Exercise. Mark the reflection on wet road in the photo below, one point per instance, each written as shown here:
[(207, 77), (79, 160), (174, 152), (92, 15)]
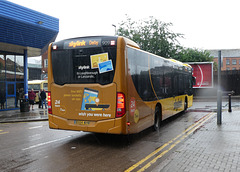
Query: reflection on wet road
[(34, 147), (157, 154)]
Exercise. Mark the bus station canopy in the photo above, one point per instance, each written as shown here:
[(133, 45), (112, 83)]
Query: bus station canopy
[(24, 29)]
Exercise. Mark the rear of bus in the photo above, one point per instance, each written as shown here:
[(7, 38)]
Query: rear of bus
[(84, 85)]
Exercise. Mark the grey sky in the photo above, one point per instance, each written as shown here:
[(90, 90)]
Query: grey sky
[(206, 24)]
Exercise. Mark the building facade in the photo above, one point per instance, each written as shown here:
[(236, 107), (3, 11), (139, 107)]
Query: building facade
[(44, 66), (23, 33), (230, 58)]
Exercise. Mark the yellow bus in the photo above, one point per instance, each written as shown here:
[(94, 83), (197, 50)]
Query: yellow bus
[(107, 84), (37, 85)]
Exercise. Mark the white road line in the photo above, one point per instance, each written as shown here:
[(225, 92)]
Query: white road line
[(40, 126), (45, 143)]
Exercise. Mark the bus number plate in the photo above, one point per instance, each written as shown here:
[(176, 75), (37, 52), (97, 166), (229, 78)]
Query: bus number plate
[(82, 122)]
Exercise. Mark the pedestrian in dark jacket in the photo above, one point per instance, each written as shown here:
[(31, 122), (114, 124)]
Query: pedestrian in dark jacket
[(43, 98), (40, 100), (2, 98)]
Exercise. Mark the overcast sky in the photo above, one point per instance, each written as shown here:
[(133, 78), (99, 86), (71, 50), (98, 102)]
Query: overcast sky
[(206, 24)]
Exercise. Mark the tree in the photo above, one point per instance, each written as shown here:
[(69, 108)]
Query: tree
[(193, 55), (151, 35), (154, 36)]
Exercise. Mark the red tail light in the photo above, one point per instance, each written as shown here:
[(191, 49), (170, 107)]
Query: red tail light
[(49, 103), (121, 108)]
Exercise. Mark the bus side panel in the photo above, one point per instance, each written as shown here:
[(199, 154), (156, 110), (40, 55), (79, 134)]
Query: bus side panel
[(140, 113), (121, 80), (172, 106), (190, 101), (120, 71)]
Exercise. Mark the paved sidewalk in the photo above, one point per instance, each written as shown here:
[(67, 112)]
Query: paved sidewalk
[(17, 116), (212, 148)]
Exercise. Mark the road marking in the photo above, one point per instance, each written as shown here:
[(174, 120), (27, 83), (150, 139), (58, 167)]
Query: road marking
[(172, 143), (1, 132), (45, 143), (40, 126)]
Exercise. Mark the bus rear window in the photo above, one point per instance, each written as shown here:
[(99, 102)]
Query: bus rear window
[(34, 86), (84, 65)]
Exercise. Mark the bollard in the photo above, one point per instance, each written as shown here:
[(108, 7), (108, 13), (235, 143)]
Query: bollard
[(229, 103)]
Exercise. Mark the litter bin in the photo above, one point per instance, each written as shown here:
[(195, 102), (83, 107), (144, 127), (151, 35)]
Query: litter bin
[(24, 105)]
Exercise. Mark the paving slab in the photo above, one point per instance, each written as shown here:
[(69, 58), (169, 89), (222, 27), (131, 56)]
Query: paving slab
[(37, 114), (211, 148)]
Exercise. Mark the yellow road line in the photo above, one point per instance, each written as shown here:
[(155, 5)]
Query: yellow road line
[(172, 146), (181, 136), (4, 132)]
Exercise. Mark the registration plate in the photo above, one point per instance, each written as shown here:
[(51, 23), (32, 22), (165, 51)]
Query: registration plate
[(81, 122)]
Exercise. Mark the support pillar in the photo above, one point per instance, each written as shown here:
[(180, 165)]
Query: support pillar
[(25, 75), (219, 93)]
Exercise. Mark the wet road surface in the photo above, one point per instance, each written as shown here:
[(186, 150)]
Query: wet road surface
[(32, 146)]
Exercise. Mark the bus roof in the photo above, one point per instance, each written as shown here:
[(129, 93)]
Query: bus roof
[(37, 81), (130, 42), (180, 63)]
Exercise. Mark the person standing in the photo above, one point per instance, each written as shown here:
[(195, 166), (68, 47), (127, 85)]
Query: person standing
[(17, 97), (31, 97), (40, 99), (2, 98), (43, 98)]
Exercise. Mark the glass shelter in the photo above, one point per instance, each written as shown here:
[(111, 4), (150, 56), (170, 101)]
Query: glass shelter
[(11, 80)]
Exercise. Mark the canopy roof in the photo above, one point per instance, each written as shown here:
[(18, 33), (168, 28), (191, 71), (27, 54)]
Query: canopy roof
[(22, 28)]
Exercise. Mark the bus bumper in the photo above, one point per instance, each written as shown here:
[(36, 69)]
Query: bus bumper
[(111, 126)]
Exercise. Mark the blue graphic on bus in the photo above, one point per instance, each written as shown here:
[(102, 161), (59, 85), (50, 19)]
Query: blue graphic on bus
[(89, 96), (105, 66)]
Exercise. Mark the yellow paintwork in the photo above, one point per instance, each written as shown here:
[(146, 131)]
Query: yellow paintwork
[(139, 114)]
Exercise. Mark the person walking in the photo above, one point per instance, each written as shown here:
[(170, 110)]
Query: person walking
[(31, 97), (43, 98)]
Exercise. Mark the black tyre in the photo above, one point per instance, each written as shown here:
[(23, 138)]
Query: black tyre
[(185, 104), (157, 119)]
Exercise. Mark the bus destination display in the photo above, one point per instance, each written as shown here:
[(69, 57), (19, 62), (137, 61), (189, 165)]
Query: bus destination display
[(82, 43)]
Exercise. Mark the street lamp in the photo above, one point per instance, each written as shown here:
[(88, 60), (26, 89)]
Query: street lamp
[(115, 29)]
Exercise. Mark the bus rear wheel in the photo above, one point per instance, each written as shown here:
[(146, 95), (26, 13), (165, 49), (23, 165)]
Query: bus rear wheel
[(157, 119), (185, 104)]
